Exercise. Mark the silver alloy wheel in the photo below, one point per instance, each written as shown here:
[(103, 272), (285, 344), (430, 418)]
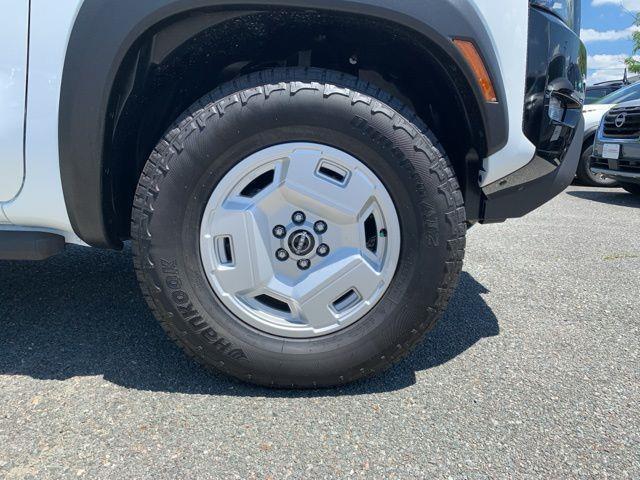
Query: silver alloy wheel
[(300, 240)]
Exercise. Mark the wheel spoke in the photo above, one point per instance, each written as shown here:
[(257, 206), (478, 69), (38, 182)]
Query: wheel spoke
[(249, 267), (316, 295), (341, 202)]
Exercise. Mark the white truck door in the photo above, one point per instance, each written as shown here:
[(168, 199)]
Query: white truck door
[(14, 34)]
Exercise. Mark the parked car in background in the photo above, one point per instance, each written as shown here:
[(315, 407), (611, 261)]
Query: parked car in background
[(616, 151), (600, 90), (593, 115), (596, 92)]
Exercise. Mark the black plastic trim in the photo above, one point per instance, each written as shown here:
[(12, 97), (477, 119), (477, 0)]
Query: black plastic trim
[(29, 245), (535, 190), (591, 131), (105, 32), (556, 68)]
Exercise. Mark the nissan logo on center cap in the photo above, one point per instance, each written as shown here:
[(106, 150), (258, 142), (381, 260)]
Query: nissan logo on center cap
[(620, 120), (301, 243)]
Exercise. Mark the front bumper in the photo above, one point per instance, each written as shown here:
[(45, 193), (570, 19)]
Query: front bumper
[(626, 168), (556, 68), (622, 177), (533, 186)]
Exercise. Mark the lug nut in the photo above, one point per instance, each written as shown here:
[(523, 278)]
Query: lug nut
[(298, 218), (304, 264), (323, 250), (279, 231), (282, 255), (320, 227)]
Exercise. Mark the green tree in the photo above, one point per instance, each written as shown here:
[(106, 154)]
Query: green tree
[(632, 63)]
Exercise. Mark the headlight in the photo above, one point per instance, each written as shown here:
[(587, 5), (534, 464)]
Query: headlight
[(567, 10)]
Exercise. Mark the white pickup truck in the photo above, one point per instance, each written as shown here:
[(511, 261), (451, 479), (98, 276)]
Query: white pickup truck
[(296, 176)]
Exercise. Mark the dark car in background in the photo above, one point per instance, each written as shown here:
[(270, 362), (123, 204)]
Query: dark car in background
[(600, 90), (597, 92), (593, 115), (616, 151)]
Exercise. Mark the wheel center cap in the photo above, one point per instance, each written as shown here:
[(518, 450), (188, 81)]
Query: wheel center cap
[(301, 242)]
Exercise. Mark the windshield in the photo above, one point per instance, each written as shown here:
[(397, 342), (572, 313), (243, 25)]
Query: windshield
[(626, 94)]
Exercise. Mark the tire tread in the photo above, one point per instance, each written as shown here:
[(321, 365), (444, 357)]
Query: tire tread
[(240, 93)]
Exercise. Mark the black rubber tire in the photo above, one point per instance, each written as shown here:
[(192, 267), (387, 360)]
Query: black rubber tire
[(587, 177), (633, 188), (268, 108)]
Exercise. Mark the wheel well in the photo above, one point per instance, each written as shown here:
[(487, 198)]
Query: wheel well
[(589, 137), (177, 62)]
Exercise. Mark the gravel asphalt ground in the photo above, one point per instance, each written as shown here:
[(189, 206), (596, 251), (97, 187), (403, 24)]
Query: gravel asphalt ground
[(534, 372)]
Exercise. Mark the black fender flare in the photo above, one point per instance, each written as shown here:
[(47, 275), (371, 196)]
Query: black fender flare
[(588, 133), (104, 32)]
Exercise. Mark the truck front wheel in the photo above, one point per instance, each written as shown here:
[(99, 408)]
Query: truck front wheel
[(298, 228)]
